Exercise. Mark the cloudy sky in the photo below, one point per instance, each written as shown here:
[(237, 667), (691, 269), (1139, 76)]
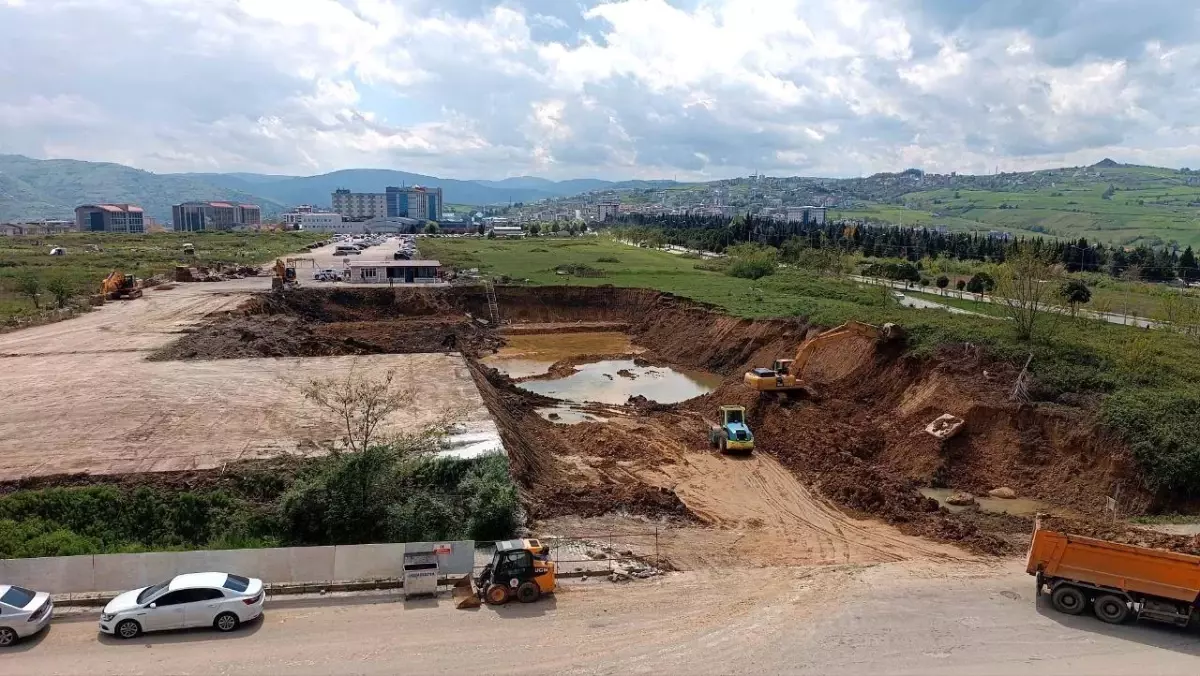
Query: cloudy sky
[(601, 88)]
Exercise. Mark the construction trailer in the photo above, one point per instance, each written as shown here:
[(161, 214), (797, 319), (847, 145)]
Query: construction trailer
[(395, 272)]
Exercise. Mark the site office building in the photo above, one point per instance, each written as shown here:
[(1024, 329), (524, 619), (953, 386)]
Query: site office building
[(200, 216)]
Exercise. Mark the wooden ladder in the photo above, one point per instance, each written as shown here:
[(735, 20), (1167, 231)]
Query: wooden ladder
[(493, 306)]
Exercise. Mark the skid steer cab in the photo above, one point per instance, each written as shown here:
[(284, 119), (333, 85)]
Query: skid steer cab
[(520, 569)]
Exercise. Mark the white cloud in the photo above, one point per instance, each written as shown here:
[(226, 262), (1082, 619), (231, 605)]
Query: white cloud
[(610, 88)]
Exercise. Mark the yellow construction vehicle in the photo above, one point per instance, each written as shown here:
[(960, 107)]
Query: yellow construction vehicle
[(520, 569), (285, 276), (119, 286), (784, 374)]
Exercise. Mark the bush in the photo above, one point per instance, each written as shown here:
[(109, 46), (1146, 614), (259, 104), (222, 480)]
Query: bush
[(1160, 426), (943, 281), (751, 261), (750, 268), (608, 259)]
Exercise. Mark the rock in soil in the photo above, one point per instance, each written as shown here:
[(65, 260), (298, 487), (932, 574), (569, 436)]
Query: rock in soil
[(961, 499), (1004, 493)]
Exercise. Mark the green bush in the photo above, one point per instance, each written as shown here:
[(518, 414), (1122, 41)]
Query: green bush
[(1160, 425), (751, 261)]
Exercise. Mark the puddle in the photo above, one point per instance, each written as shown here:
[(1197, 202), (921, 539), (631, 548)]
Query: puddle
[(614, 381), (526, 355), (1016, 506), (565, 415)]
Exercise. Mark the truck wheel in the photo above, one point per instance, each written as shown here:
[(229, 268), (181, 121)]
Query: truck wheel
[(1068, 600), (528, 592), (724, 445), (1111, 608)]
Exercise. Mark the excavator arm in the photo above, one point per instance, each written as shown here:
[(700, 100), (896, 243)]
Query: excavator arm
[(850, 328)]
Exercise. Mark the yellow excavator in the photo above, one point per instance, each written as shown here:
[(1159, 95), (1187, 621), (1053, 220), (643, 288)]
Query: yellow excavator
[(784, 374), (285, 276), (119, 286)]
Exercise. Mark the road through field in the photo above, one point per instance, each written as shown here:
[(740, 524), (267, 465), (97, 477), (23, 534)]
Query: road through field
[(897, 618)]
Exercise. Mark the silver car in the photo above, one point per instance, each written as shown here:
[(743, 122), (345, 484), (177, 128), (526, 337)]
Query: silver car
[(23, 613), (219, 600)]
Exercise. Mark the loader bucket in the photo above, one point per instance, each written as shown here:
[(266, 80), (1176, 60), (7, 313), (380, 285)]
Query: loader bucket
[(464, 594)]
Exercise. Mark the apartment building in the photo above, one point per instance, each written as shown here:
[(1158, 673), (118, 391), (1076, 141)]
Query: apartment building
[(201, 216)]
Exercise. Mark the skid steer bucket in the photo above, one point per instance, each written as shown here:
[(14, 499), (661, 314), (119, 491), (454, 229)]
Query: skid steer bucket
[(464, 594)]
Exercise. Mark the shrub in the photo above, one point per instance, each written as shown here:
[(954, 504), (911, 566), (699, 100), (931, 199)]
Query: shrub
[(751, 261), (608, 259), (943, 281)]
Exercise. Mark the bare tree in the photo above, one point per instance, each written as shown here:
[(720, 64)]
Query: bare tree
[(359, 402), (1026, 286)]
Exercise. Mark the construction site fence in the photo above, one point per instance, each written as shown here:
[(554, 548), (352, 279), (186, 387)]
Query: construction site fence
[(280, 565), (593, 551)]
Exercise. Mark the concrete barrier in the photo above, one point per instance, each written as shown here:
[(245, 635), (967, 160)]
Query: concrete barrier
[(283, 565), (368, 562), (56, 574)]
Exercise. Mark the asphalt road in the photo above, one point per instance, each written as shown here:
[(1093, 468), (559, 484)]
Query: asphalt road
[(901, 618)]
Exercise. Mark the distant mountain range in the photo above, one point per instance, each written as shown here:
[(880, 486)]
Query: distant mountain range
[(31, 189)]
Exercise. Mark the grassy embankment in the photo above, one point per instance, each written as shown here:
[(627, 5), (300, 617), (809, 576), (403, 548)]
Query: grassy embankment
[(82, 269), (1147, 379)]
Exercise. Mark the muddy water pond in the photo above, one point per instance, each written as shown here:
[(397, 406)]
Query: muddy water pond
[(614, 381), (526, 355), (1016, 506)]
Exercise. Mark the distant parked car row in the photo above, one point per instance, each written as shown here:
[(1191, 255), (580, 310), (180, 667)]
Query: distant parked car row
[(223, 601)]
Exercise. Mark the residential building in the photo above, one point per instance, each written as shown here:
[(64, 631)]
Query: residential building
[(200, 216), (11, 230), (359, 205), (813, 215), (126, 218), (394, 272), (607, 210)]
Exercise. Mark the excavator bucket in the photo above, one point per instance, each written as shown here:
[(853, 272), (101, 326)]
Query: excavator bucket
[(464, 594)]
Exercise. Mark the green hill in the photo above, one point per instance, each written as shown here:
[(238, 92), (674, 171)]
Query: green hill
[(32, 189)]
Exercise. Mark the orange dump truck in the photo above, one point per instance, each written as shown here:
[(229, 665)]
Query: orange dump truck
[(1117, 581)]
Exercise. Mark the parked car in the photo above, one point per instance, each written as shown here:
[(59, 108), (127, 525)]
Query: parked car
[(327, 276), (219, 600), (23, 613)]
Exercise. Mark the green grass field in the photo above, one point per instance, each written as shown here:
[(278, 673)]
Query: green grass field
[(1147, 378), (142, 255), (1150, 206)]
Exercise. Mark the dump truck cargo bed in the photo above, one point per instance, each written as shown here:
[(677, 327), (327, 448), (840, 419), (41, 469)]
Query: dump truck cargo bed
[(1128, 568)]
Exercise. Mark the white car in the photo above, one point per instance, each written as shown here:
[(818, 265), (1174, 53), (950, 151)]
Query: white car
[(220, 600), (23, 613)]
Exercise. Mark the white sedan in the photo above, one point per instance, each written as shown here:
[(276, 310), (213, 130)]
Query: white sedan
[(23, 612), (220, 600)]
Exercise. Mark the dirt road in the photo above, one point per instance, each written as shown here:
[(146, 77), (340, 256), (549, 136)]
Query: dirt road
[(79, 395), (899, 618), (759, 512)]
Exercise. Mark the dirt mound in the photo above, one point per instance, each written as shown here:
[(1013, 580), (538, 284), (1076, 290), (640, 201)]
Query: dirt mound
[(1124, 534), (591, 501), (237, 337)]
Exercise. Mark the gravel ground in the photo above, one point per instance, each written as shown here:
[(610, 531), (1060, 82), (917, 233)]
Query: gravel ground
[(895, 618)]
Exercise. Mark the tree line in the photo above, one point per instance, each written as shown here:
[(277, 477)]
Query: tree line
[(716, 233)]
